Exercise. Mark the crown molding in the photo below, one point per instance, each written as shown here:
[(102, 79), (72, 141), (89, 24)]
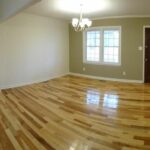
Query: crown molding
[(121, 17)]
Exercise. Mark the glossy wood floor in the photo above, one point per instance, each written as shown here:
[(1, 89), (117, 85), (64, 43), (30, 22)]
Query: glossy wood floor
[(73, 113)]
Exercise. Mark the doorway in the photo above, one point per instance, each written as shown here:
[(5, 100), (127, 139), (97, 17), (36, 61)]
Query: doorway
[(147, 55)]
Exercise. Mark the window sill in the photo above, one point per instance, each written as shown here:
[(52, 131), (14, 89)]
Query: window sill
[(102, 63)]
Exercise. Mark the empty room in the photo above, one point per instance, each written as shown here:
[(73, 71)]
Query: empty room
[(74, 74)]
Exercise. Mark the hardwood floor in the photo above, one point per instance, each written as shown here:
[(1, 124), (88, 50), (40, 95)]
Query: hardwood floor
[(73, 113)]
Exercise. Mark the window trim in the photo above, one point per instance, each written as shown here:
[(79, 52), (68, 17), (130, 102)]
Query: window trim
[(101, 62)]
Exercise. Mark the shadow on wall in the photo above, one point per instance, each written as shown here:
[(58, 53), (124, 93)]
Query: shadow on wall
[(9, 8)]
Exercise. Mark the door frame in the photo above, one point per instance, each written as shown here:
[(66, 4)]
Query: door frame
[(144, 28)]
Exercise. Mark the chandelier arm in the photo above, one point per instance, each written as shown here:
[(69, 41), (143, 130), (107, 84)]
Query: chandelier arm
[(78, 26), (83, 28)]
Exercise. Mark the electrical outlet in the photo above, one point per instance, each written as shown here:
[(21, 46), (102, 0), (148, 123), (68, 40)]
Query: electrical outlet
[(124, 73), (84, 69)]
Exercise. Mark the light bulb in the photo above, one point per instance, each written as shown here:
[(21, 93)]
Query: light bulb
[(81, 24), (75, 22), (85, 20), (89, 23)]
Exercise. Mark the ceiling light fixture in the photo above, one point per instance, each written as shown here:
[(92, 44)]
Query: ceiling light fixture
[(81, 23)]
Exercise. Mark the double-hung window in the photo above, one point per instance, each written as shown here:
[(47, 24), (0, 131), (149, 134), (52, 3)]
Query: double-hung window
[(102, 45)]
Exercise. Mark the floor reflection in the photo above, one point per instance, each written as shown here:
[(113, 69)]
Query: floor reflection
[(110, 101), (93, 97), (79, 145)]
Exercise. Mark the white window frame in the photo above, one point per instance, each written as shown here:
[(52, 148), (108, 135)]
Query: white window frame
[(101, 29)]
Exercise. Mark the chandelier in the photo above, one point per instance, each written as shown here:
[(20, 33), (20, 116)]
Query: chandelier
[(81, 23)]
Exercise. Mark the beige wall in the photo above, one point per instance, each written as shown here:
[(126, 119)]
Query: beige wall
[(32, 49), (131, 57)]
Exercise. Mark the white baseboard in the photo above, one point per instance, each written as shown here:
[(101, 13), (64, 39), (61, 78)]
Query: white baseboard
[(32, 82), (71, 73), (107, 79)]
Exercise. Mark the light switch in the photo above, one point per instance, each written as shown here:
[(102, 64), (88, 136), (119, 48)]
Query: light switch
[(140, 48)]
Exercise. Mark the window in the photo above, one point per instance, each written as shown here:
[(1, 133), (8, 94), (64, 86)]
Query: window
[(93, 44), (102, 45)]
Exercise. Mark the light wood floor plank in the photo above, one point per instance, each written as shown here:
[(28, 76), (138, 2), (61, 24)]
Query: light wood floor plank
[(75, 113)]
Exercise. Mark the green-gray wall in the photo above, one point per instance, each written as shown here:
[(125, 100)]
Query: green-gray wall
[(131, 57)]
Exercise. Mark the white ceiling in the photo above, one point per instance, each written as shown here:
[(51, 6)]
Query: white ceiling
[(94, 9)]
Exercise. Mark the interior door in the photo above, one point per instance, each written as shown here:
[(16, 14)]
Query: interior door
[(147, 55)]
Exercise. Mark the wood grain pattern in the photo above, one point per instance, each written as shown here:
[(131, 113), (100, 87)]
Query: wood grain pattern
[(74, 113)]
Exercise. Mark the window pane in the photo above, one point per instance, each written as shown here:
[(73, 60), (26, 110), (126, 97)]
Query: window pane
[(97, 42), (111, 54), (106, 35), (116, 34), (106, 42), (93, 54), (111, 46), (93, 46), (116, 42), (98, 35), (93, 34), (111, 42), (111, 34)]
